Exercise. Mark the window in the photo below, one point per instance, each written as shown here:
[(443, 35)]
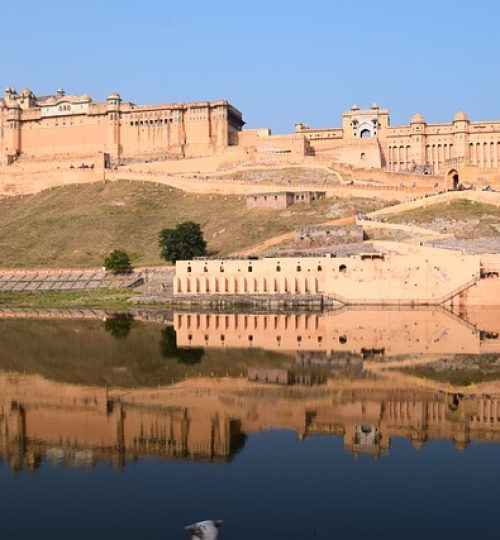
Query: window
[(250, 269), (205, 269), (320, 268), (278, 268), (299, 268), (342, 268), (189, 269)]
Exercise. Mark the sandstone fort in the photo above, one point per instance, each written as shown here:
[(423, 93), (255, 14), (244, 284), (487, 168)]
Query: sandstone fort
[(65, 126)]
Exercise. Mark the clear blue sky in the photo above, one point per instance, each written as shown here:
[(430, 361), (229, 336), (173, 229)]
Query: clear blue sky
[(278, 61)]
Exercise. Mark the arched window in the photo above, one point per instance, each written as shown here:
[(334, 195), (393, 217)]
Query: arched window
[(278, 268), (342, 268)]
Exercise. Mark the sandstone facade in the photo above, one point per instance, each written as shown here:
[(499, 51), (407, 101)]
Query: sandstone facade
[(62, 125), (70, 126), (428, 278)]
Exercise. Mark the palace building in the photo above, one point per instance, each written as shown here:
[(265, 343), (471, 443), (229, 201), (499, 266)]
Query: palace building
[(58, 125), (366, 138), (68, 126)]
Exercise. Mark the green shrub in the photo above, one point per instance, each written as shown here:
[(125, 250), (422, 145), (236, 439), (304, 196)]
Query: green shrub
[(118, 261)]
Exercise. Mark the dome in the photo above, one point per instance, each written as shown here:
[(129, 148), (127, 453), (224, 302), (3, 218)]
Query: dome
[(9, 90), (26, 92), (375, 106), (355, 108), (417, 119), (461, 117), (114, 95)]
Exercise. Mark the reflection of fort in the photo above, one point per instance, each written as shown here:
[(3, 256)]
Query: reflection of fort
[(202, 419), (370, 333)]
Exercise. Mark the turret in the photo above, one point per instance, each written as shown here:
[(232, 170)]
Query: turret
[(460, 134), (417, 125), (113, 103)]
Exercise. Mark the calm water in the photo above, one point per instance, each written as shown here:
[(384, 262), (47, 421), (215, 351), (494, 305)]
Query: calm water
[(348, 424)]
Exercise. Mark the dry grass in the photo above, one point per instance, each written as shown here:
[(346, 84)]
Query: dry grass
[(76, 226), (463, 218)]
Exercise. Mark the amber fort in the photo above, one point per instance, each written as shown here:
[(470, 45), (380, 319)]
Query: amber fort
[(46, 141), (62, 125)]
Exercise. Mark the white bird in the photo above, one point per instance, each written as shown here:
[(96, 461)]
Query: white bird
[(205, 530)]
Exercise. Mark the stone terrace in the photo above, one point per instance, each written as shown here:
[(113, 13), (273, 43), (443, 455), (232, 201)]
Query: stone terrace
[(66, 280)]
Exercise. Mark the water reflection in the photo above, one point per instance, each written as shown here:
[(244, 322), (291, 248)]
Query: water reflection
[(75, 392)]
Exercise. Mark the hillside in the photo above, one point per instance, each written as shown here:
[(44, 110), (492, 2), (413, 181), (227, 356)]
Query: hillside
[(76, 226), (463, 218)]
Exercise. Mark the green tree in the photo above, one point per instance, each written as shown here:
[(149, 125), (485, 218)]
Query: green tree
[(184, 355), (118, 261), (119, 325), (184, 242)]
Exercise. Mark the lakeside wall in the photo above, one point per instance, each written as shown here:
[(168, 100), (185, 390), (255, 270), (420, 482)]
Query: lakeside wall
[(428, 278)]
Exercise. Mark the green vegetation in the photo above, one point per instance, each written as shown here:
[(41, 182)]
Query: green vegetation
[(119, 325), (118, 261), (84, 352), (76, 226), (184, 242), (169, 348), (108, 299)]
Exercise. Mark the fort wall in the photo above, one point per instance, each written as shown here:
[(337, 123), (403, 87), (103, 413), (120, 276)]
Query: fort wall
[(34, 127)]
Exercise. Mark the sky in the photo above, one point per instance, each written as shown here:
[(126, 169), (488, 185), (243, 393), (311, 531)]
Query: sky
[(278, 61)]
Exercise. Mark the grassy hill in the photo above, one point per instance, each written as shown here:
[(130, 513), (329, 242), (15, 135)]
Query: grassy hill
[(464, 218), (76, 226)]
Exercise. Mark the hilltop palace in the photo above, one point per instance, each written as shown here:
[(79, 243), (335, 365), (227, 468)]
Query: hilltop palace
[(39, 127)]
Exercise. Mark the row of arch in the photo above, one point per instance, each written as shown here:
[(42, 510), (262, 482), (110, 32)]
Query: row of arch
[(401, 158), (484, 154), (480, 154), (209, 321), (238, 285)]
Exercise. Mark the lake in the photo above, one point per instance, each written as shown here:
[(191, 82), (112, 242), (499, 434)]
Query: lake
[(349, 424)]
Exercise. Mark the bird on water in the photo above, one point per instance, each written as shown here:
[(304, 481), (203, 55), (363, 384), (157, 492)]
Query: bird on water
[(205, 530)]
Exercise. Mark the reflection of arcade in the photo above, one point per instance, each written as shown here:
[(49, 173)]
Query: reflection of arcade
[(209, 419), (371, 333), (78, 425)]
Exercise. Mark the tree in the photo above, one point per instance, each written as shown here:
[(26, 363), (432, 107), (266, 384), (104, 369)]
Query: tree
[(184, 242), (184, 355), (118, 261), (119, 325)]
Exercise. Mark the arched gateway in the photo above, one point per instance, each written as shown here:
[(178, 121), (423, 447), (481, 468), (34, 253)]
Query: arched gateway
[(453, 179)]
